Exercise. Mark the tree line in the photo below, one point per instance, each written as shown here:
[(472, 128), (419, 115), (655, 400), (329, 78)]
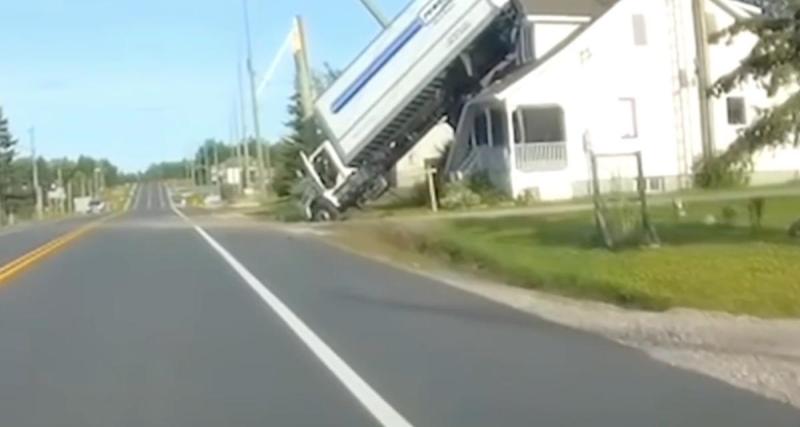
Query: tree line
[(83, 176)]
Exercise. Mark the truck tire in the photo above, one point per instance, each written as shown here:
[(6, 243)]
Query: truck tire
[(324, 211)]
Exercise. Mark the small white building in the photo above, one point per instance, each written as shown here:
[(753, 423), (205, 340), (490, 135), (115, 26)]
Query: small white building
[(411, 169), (610, 76), (231, 171)]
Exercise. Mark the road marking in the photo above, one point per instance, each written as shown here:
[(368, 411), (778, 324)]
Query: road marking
[(137, 197), (383, 412), (132, 196), (21, 263), (149, 196), (162, 199)]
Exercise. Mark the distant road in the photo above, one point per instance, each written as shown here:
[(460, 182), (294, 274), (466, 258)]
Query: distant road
[(151, 320)]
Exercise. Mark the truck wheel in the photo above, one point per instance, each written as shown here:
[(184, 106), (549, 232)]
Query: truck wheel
[(324, 211)]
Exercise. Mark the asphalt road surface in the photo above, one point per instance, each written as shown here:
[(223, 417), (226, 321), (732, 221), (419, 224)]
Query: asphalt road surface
[(150, 320)]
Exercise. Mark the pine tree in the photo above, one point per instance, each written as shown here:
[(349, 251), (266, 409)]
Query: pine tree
[(774, 63), (7, 143), (305, 136)]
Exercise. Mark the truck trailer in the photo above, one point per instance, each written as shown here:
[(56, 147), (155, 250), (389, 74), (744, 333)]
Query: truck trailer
[(418, 72)]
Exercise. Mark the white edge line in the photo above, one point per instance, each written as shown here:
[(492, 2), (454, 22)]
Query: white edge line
[(363, 392)]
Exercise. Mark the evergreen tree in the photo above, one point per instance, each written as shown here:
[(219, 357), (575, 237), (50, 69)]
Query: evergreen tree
[(305, 136), (7, 143), (774, 62)]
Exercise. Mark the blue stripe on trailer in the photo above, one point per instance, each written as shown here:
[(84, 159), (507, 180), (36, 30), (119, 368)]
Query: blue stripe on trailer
[(377, 65)]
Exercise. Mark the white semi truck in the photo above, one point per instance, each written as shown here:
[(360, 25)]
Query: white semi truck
[(418, 72)]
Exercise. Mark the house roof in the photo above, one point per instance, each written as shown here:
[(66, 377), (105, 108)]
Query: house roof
[(590, 8), (524, 70)]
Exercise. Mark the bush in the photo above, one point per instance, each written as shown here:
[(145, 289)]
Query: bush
[(794, 229), (729, 216), (481, 184), (527, 198), (716, 173), (756, 209), (459, 195)]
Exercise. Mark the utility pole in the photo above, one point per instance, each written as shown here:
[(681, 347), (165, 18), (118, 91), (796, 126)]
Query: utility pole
[(376, 13), (263, 155), (236, 144), (206, 165), (36, 189), (303, 69), (703, 79), (62, 204), (241, 115), (217, 171)]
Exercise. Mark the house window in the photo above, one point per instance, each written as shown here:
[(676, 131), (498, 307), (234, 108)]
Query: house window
[(498, 124), (639, 30), (480, 129), (736, 111), (627, 118), (539, 124)]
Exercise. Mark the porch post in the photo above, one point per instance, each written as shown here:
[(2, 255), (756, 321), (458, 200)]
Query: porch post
[(512, 152)]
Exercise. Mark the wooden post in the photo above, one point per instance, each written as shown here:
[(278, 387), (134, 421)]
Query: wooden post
[(431, 175), (649, 230), (599, 214)]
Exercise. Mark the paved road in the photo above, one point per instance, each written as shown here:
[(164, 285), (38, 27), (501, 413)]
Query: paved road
[(19, 240), (149, 321)]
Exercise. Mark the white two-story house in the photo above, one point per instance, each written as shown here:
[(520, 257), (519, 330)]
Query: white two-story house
[(610, 76)]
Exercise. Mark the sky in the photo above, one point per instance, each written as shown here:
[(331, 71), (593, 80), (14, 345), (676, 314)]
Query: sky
[(142, 81)]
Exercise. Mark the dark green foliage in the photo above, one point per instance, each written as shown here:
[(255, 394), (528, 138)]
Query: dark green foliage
[(718, 173), (729, 216), (773, 62), (167, 170), (755, 208), (305, 136), (794, 229)]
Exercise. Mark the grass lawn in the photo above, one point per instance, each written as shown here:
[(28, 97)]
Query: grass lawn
[(713, 267)]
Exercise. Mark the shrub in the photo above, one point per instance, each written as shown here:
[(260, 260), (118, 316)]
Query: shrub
[(729, 216), (794, 229), (481, 184), (527, 198), (458, 195), (716, 173), (756, 210)]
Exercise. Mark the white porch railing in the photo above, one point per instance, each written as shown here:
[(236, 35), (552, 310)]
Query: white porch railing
[(540, 156)]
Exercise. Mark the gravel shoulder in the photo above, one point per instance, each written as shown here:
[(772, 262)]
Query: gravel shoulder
[(760, 355)]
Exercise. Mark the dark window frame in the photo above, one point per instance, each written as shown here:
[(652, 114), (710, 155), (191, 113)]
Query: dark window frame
[(521, 129), (736, 110)]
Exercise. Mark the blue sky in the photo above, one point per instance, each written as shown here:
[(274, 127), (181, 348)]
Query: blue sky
[(139, 81)]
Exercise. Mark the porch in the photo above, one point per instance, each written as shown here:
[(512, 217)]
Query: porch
[(509, 145)]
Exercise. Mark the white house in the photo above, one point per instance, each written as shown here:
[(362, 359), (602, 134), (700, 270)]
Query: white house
[(610, 76)]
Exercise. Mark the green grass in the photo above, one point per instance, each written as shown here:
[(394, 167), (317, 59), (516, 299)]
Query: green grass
[(729, 268), (283, 209)]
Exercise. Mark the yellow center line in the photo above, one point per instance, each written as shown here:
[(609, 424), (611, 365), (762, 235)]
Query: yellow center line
[(21, 263)]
